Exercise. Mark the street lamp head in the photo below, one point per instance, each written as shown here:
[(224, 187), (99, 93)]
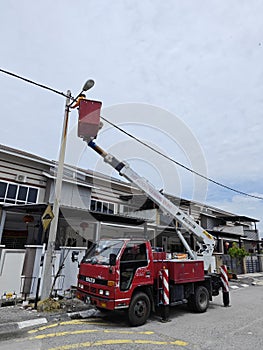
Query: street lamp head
[(88, 85)]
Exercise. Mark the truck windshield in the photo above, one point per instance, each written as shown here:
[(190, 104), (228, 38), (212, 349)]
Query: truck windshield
[(100, 252)]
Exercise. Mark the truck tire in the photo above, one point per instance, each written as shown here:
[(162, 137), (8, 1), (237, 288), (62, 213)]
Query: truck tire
[(139, 310), (199, 301)]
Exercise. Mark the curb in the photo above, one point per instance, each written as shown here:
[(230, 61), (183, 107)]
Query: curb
[(11, 327), (247, 280), (16, 326)]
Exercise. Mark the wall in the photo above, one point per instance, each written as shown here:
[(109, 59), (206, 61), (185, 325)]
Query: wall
[(72, 195)]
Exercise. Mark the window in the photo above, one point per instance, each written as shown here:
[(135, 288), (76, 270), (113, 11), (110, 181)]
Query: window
[(105, 208), (102, 207), (11, 194), (93, 205), (134, 251), (3, 187), (100, 252), (99, 206), (17, 194), (32, 195), (22, 193), (111, 208)]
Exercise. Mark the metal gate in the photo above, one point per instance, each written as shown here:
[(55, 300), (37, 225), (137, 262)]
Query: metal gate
[(252, 264), (233, 264)]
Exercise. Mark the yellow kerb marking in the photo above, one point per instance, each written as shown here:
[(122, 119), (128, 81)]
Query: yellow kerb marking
[(43, 328), (156, 342), (118, 341), (126, 332), (77, 322), (61, 334), (83, 331)]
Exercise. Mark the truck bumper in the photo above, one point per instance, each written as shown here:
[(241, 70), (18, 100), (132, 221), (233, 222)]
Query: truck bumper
[(109, 304), (96, 301)]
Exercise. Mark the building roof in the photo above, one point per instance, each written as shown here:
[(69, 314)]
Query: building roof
[(74, 169), (239, 218), (23, 154)]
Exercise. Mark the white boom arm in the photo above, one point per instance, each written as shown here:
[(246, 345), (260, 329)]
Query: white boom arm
[(205, 240)]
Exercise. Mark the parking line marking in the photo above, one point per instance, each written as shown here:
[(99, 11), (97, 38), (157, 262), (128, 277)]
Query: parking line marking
[(64, 323), (83, 331), (127, 332), (118, 341)]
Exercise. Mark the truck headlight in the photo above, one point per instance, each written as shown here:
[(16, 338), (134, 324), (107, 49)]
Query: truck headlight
[(101, 291), (107, 293)]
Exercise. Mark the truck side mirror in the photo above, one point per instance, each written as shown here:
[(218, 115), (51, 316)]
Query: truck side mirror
[(113, 259), (74, 256)]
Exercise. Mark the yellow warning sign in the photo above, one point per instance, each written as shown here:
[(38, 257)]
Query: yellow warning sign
[(47, 217)]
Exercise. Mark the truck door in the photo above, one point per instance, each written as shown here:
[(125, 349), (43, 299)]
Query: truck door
[(134, 257)]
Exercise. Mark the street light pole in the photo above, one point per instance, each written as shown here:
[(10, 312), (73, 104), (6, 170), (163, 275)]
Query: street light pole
[(50, 252), (47, 275)]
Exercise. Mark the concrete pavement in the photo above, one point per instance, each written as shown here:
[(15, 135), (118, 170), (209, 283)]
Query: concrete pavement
[(17, 317), (247, 279), (14, 318)]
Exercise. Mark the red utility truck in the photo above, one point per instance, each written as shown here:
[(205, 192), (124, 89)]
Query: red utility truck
[(129, 275), (132, 275)]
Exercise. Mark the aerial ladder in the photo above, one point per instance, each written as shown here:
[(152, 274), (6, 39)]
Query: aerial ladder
[(88, 127)]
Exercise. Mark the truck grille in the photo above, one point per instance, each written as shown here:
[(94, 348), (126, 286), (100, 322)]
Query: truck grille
[(93, 290), (96, 280)]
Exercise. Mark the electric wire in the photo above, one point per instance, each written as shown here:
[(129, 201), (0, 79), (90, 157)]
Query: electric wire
[(33, 83), (178, 163), (135, 138)]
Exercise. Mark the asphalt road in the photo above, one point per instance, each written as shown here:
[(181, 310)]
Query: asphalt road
[(235, 327)]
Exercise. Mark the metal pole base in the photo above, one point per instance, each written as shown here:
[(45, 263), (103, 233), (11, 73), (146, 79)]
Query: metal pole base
[(165, 311), (226, 300)]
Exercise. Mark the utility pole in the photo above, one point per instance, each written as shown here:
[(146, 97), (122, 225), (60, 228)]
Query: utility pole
[(50, 252)]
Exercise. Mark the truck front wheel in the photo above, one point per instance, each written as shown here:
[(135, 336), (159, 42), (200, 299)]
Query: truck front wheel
[(139, 310), (199, 301)]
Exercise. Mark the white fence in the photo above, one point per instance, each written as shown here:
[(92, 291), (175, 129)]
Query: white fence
[(20, 270), (11, 265)]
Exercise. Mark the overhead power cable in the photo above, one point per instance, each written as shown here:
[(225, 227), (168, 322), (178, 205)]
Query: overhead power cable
[(135, 138), (178, 163), (33, 82)]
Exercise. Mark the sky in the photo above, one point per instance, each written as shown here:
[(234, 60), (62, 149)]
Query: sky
[(184, 76)]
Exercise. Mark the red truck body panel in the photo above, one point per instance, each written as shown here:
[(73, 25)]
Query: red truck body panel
[(186, 271), (180, 271)]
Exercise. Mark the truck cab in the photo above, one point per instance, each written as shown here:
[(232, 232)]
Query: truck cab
[(112, 270)]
